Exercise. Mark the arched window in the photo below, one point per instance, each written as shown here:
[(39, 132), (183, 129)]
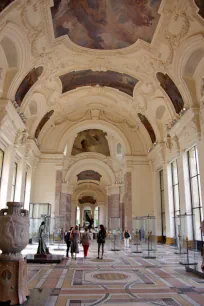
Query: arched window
[(171, 90), (78, 216), (96, 215), (119, 151)]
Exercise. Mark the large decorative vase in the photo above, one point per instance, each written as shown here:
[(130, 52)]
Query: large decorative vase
[(14, 231)]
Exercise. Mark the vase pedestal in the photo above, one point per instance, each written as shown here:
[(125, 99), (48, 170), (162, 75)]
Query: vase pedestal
[(13, 282)]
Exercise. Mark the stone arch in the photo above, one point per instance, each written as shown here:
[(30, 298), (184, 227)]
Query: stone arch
[(91, 164), (95, 124), (187, 58), (13, 35)]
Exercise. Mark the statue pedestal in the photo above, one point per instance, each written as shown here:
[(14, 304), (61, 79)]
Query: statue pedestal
[(13, 281)]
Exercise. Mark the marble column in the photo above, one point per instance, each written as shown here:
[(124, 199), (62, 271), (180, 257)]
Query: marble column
[(128, 200), (113, 203), (66, 205), (58, 188)]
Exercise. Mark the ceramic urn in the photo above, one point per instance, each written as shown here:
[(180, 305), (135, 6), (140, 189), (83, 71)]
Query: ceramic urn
[(14, 231)]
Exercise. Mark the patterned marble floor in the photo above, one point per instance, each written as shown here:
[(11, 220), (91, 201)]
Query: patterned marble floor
[(121, 278)]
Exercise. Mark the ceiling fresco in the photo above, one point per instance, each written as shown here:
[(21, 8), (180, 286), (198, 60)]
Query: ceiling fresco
[(4, 4), (172, 91), (148, 127), (200, 5), (89, 175), (87, 199), (120, 81), (43, 121), (91, 141), (105, 24), (30, 79)]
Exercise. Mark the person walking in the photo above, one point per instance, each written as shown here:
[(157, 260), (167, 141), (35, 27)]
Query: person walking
[(85, 241), (67, 239), (126, 237), (101, 238), (75, 238)]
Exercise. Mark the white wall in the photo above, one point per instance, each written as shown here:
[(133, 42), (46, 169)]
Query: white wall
[(142, 195), (44, 184)]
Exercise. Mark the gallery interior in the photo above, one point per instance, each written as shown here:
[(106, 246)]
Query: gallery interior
[(102, 122)]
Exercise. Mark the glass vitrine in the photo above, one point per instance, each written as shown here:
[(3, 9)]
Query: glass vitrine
[(148, 235), (137, 234), (38, 213), (115, 234), (188, 246)]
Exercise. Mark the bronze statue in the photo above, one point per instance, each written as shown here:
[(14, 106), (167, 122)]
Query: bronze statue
[(42, 248)]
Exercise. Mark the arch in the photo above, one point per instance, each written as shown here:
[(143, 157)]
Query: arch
[(91, 164), (4, 4), (185, 68), (43, 122), (171, 90), (95, 124), (14, 34)]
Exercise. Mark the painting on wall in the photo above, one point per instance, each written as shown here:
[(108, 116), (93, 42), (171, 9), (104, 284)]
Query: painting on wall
[(91, 141), (89, 175), (148, 127), (172, 91), (4, 4), (43, 121), (30, 79), (200, 5), (105, 24), (120, 81), (87, 199)]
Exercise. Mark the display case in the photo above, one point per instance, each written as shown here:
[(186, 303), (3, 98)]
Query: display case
[(137, 234), (187, 245), (115, 234), (38, 213), (148, 236)]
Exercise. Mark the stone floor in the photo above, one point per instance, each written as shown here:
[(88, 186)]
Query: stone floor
[(121, 278)]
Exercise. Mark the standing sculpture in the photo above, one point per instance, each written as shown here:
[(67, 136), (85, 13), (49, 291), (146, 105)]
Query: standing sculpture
[(42, 250)]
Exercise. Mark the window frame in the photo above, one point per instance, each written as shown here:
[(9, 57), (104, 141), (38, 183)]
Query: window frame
[(176, 212), (163, 212), (197, 176)]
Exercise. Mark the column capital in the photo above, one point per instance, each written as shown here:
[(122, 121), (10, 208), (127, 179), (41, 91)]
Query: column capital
[(113, 189)]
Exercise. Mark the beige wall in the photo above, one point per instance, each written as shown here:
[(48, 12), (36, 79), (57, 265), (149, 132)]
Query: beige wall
[(44, 184), (142, 195)]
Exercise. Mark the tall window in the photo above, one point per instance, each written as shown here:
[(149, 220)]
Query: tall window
[(1, 165), (78, 216), (175, 191), (196, 205), (163, 219), (13, 189), (96, 217)]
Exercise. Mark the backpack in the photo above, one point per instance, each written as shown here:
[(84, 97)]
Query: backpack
[(67, 237)]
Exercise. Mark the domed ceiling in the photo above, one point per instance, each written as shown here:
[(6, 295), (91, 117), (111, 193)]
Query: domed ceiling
[(105, 24)]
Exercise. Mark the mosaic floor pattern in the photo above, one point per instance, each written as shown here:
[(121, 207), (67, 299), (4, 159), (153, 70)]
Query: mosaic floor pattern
[(122, 278)]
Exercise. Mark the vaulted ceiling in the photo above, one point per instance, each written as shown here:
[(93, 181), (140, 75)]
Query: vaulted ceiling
[(114, 63)]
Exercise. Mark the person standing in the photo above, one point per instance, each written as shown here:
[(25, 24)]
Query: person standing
[(126, 237), (75, 238), (67, 238), (101, 238), (85, 240)]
